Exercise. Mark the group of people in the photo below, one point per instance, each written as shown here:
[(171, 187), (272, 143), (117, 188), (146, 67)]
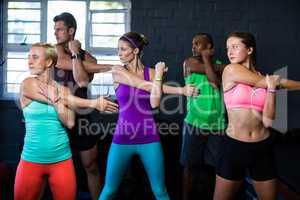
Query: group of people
[(218, 152)]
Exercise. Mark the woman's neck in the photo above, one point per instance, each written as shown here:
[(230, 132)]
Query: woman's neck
[(247, 64), (45, 76), (135, 65)]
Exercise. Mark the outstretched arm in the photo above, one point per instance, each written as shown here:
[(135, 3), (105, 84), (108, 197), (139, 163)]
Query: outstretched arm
[(121, 75), (100, 103), (74, 102), (97, 68), (188, 90), (289, 84), (194, 65), (236, 73), (91, 67)]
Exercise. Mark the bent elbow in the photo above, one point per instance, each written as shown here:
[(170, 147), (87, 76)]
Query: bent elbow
[(70, 124), (154, 104), (214, 84), (267, 122), (82, 84)]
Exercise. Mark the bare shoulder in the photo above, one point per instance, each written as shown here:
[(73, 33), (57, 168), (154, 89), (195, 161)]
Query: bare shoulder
[(227, 76), (237, 69), (26, 86), (28, 82), (232, 68)]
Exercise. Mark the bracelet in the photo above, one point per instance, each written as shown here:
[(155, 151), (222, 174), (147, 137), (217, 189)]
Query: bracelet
[(158, 78), (271, 90)]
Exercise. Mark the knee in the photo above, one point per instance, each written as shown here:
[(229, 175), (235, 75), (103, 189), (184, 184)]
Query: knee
[(91, 167), (160, 192)]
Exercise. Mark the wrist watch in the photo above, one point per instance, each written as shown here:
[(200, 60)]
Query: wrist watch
[(77, 56)]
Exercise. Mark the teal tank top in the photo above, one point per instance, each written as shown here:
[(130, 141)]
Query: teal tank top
[(46, 140), (206, 111)]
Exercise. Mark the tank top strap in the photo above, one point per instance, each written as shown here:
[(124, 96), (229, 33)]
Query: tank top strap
[(146, 73)]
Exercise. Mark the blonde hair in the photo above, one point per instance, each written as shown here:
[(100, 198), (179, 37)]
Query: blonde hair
[(50, 51)]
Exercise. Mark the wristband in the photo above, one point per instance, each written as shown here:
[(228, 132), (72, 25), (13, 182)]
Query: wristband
[(77, 56), (271, 90), (158, 78)]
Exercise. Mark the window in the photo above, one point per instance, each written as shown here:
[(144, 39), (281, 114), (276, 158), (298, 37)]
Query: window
[(23, 27), (100, 24), (107, 22)]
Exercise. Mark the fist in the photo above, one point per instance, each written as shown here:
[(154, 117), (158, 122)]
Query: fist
[(74, 46), (272, 81), (160, 68), (190, 90)]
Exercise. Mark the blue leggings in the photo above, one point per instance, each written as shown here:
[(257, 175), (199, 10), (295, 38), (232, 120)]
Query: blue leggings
[(119, 158)]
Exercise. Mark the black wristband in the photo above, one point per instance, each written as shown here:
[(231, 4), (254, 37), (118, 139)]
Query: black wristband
[(77, 56)]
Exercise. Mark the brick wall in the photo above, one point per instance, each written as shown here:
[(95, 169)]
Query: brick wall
[(170, 25)]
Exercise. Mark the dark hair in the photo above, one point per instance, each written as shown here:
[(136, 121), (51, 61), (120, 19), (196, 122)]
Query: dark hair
[(249, 41), (68, 20), (207, 38), (135, 40)]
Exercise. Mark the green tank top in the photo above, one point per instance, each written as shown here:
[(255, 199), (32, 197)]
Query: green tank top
[(207, 110), (46, 140)]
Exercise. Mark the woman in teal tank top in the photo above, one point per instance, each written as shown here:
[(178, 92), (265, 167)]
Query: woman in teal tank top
[(46, 106)]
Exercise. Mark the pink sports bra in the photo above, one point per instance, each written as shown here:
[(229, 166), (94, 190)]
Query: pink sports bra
[(245, 96)]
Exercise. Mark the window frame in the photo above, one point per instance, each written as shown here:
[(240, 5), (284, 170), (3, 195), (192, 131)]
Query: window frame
[(2, 9), (6, 47), (99, 50), (15, 47), (106, 51)]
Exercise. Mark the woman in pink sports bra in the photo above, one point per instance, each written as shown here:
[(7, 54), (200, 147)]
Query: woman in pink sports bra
[(250, 101)]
